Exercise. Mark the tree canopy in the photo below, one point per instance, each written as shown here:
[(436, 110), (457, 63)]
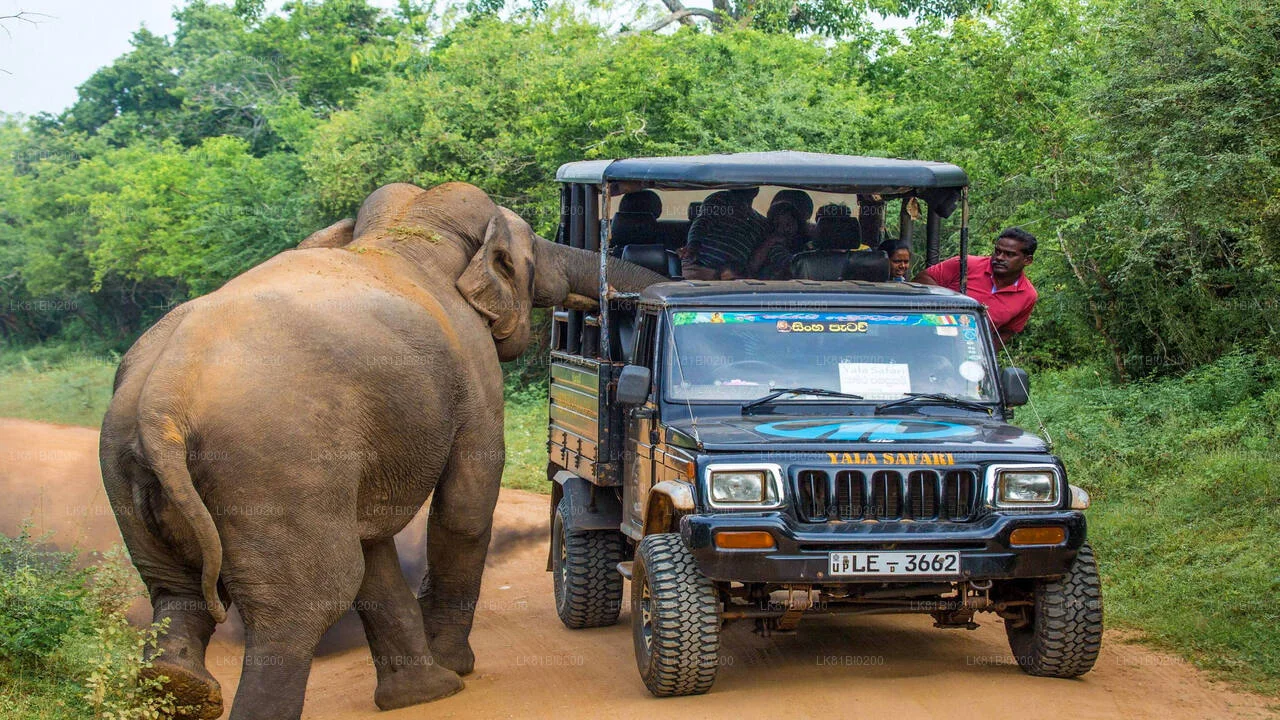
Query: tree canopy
[(1140, 141)]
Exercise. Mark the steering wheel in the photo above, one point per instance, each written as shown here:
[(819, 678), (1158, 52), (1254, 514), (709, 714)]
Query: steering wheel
[(751, 367)]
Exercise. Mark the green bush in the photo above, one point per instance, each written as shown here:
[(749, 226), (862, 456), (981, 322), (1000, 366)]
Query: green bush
[(1186, 504), (66, 649), (41, 601)]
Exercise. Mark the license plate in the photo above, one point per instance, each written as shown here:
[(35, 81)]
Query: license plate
[(896, 562)]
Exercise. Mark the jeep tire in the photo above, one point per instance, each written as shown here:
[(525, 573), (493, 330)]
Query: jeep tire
[(675, 619), (584, 565), (1064, 632)]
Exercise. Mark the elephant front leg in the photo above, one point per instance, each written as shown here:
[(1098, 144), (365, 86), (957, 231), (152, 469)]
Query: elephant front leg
[(407, 672), (458, 531)]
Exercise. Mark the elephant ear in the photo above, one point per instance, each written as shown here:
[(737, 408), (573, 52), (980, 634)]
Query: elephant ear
[(489, 282)]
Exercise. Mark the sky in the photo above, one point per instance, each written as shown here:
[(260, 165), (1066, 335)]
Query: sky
[(41, 65)]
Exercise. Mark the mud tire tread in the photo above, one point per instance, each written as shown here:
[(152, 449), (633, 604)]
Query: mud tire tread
[(591, 594), (685, 650), (1065, 636)]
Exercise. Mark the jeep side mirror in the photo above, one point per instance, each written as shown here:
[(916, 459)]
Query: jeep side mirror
[(1015, 386), (633, 385)]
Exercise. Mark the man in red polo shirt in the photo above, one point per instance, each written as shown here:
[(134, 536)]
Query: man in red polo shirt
[(997, 281)]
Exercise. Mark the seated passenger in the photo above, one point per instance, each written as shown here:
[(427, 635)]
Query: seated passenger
[(899, 254), (722, 238), (772, 259)]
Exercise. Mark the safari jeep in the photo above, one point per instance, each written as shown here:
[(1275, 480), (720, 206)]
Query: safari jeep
[(760, 451)]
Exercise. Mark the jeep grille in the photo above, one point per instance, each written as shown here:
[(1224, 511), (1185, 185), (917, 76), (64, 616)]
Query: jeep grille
[(886, 495)]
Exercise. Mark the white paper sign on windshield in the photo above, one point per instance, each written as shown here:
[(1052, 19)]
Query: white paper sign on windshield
[(875, 381)]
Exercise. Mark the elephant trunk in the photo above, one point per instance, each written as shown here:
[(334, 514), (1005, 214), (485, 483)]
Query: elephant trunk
[(570, 276)]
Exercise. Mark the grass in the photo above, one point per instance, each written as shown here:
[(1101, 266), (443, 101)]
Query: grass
[(526, 433), (68, 389), (1184, 479)]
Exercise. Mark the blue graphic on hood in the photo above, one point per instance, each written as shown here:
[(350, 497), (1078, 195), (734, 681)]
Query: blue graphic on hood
[(869, 430)]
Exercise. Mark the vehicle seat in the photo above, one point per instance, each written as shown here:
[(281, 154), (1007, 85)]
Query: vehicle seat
[(632, 227), (653, 256), (673, 233), (819, 265), (870, 265)]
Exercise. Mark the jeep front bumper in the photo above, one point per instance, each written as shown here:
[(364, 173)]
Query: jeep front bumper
[(802, 551)]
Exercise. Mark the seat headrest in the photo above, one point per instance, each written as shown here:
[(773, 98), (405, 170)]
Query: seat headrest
[(629, 227), (652, 256), (838, 232), (641, 201)]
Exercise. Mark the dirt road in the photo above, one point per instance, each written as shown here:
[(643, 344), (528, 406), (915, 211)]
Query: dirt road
[(529, 665)]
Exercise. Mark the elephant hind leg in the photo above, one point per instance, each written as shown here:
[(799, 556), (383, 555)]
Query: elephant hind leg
[(178, 661), (288, 597), (458, 531), (177, 598), (407, 673)]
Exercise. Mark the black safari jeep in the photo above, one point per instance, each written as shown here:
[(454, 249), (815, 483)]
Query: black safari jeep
[(834, 443)]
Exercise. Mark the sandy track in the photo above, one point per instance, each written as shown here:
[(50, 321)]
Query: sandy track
[(529, 665)]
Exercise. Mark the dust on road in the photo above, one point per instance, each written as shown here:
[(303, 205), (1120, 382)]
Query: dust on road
[(529, 665)]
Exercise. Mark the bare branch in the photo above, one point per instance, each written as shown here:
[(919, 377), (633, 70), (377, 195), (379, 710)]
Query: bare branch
[(685, 16), (676, 7), (25, 16)]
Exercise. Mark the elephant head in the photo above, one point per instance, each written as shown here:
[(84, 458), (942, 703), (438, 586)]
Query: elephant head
[(499, 265), (515, 270)]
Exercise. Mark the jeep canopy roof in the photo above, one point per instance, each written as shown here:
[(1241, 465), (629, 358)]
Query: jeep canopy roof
[(800, 295), (832, 173)]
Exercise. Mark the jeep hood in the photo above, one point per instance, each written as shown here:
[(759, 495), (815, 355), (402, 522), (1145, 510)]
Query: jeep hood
[(906, 432)]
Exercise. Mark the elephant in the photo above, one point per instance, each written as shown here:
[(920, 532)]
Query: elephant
[(265, 442)]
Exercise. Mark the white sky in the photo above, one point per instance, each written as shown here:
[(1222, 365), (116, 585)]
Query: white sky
[(41, 65)]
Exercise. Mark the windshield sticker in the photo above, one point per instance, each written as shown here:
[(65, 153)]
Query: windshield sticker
[(875, 381), (800, 326), (868, 430), (834, 322), (948, 330), (972, 371)]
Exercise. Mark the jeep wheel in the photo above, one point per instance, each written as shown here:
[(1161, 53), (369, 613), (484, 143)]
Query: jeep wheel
[(1062, 632), (675, 619), (588, 586)]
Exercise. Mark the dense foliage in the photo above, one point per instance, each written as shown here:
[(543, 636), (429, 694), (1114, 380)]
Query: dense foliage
[(1139, 140)]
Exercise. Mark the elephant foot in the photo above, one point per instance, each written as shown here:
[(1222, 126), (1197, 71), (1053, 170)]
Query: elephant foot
[(196, 694), (455, 655), (405, 688)]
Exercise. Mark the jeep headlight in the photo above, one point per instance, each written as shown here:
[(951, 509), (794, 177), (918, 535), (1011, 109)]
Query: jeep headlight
[(742, 486), (1025, 487)]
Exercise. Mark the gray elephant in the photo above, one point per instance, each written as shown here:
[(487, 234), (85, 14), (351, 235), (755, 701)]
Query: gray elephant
[(265, 442)]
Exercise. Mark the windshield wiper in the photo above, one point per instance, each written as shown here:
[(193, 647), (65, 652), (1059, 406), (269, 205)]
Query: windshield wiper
[(748, 407), (934, 399)]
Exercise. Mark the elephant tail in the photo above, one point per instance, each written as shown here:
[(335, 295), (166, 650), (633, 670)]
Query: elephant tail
[(167, 449)]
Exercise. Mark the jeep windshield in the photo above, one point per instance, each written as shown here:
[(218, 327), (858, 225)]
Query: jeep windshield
[(737, 357)]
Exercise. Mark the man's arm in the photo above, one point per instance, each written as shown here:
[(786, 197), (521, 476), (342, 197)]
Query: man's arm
[(945, 274)]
